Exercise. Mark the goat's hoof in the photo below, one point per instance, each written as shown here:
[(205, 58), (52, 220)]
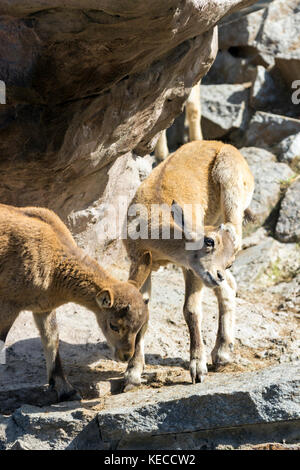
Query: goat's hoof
[(223, 356), (132, 379), (131, 385), (198, 370), (71, 395), (128, 387)]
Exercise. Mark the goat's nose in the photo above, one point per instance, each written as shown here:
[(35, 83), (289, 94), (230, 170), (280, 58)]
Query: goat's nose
[(126, 357), (220, 276)]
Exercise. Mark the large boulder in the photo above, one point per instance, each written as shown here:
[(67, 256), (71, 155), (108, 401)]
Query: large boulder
[(265, 263), (264, 92), (224, 108), (269, 175), (288, 224), (288, 150), (267, 130)]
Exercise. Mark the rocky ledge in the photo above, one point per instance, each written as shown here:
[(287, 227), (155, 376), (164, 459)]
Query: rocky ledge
[(225, 412)]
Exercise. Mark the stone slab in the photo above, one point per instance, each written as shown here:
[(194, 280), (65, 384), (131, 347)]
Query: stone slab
[(270, 395)]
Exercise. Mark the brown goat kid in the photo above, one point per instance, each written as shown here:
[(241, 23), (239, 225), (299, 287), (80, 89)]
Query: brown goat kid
[(213, 178), (42, 268)]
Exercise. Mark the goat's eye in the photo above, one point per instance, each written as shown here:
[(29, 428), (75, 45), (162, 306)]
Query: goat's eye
[(228, 267), (209, 241), (114, 327)]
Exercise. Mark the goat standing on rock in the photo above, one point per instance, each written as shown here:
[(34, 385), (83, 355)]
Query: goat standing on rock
[(41, 268), (215, 177)]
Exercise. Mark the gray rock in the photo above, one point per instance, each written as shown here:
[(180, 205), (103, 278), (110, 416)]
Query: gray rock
[(266, 130), (252, 262), (180, 417), (270, 33), (268, 175), (288, 149), (288, 225), (224, 108), (58, 427), (264, 91), (267, 396), (255, 238), (265, 263), (229, 69), (260, 4)]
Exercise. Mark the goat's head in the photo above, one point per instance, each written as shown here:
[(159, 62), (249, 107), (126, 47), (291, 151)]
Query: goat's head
[(123, 313), (210, 252)]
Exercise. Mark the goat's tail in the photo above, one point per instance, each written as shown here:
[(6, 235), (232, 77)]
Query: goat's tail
[(249, 217)]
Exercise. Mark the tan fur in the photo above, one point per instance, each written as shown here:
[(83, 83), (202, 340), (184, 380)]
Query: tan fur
[(215, 177), (209, 173), (42, 268)]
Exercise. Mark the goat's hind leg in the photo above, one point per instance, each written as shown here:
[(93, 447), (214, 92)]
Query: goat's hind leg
[(193, 113), (8, 314), (193, 315), (47, 326), (226, 294)]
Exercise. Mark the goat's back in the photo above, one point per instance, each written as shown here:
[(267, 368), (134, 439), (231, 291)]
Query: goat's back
[(195, 174), (31, 240)]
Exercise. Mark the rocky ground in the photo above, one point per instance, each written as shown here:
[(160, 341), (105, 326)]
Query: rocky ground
[(252, 403)]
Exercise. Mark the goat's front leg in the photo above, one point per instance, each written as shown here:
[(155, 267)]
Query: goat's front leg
[(193, 315), (226, 294), (47, 326), (133, 374)]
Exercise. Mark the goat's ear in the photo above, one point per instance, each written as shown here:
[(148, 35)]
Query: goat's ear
[(177, 214), (183, 222), (105, 299), (141, 270), (230, 229)]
